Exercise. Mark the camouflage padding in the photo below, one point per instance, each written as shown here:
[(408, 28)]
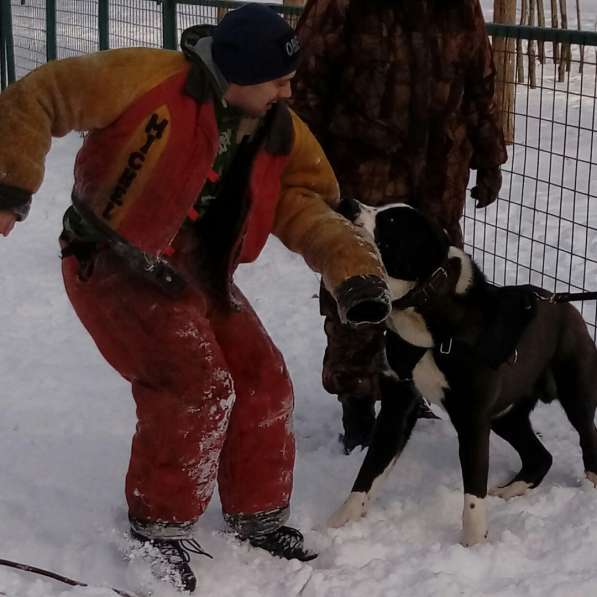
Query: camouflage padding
[(400, 93), (353, 356)]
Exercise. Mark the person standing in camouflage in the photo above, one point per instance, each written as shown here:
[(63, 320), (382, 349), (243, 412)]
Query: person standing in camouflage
[(400, 94)]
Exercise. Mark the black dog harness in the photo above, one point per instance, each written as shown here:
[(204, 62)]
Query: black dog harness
[(513, 308)]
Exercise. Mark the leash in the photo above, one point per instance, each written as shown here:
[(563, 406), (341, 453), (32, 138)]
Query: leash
[(435, 283), (58, 577), (562, 297)]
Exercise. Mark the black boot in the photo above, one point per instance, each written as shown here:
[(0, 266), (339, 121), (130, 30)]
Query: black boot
[(284, 542), (358, 420), (172, 560)]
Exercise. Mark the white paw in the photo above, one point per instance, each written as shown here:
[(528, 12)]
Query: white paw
[(512, 490), (354, 508), (592, 477), (474, 520)]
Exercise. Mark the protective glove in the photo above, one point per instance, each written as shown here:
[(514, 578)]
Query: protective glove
[(363, 300), (15, 200), (487, 187)]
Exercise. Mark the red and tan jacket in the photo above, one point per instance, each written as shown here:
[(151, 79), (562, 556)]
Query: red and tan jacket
[(150, 147)]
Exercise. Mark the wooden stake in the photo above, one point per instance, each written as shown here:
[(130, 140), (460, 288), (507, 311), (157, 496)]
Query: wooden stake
[(541, 23), (504, 11), (531, 46), (554, 24), (579, 26), (519, 55), (565, 54)]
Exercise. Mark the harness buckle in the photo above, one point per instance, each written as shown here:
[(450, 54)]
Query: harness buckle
[(439, 276), (431, 286), (446, 350)]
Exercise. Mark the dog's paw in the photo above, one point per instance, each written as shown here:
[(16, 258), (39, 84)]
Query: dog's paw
[(474, 521), (592, 477), (354, 508), (511, 490)]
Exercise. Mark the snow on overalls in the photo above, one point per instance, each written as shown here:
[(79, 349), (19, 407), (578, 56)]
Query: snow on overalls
[(212, 392)]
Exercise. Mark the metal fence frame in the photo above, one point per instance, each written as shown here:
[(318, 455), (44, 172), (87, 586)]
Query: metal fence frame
[(49, 24), (543, 229), (496, 238)]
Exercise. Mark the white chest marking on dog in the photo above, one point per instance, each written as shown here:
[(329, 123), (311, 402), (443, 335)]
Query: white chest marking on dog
[(474, 520), (400, 288), (465, 279), (429, 380), (410, 326), (512, 490)]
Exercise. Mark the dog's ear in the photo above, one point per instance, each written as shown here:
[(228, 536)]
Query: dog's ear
[(436, 244), (454, 270), (350, 208), (440, 233)]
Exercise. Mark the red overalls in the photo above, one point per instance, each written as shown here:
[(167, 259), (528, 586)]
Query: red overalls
[(212, 392)]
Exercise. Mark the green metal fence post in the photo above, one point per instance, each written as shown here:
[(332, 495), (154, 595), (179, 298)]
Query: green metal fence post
[(51, 30), (103, 24), (8, 42), (169, 24), (2, 65)]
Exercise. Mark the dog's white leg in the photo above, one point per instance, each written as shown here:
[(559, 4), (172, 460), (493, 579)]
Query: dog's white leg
[(511, 490), (474, 520), (356, 504), (354, 508), (592, 477)]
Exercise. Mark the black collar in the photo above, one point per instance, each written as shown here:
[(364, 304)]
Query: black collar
[(439, 283)]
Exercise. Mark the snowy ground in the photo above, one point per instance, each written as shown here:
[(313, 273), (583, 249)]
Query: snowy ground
[(64, 443), (65, 436)]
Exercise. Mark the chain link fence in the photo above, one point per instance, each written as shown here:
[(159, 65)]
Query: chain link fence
[(543, 228)]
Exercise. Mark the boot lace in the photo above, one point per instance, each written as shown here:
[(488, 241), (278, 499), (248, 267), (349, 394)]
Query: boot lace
[(192, 546), (181, 548), (284, 542)]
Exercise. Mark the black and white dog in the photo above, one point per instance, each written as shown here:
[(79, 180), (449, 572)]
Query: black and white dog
[(485, 354)]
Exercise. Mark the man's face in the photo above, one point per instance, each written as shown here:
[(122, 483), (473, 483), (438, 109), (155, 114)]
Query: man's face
[(256, 100)]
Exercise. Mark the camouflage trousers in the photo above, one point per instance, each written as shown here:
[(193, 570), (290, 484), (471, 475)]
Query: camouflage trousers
[(353, 356)]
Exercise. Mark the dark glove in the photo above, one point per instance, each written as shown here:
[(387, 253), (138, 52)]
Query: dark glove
[(362, 300), (487, 187), (15, 200)]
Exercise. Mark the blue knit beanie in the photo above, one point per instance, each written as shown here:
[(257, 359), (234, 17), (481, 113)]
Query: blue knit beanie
[(254, 44)]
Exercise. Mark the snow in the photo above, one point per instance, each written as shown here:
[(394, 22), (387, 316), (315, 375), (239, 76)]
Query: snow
[(64, 444), (67, 421)]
